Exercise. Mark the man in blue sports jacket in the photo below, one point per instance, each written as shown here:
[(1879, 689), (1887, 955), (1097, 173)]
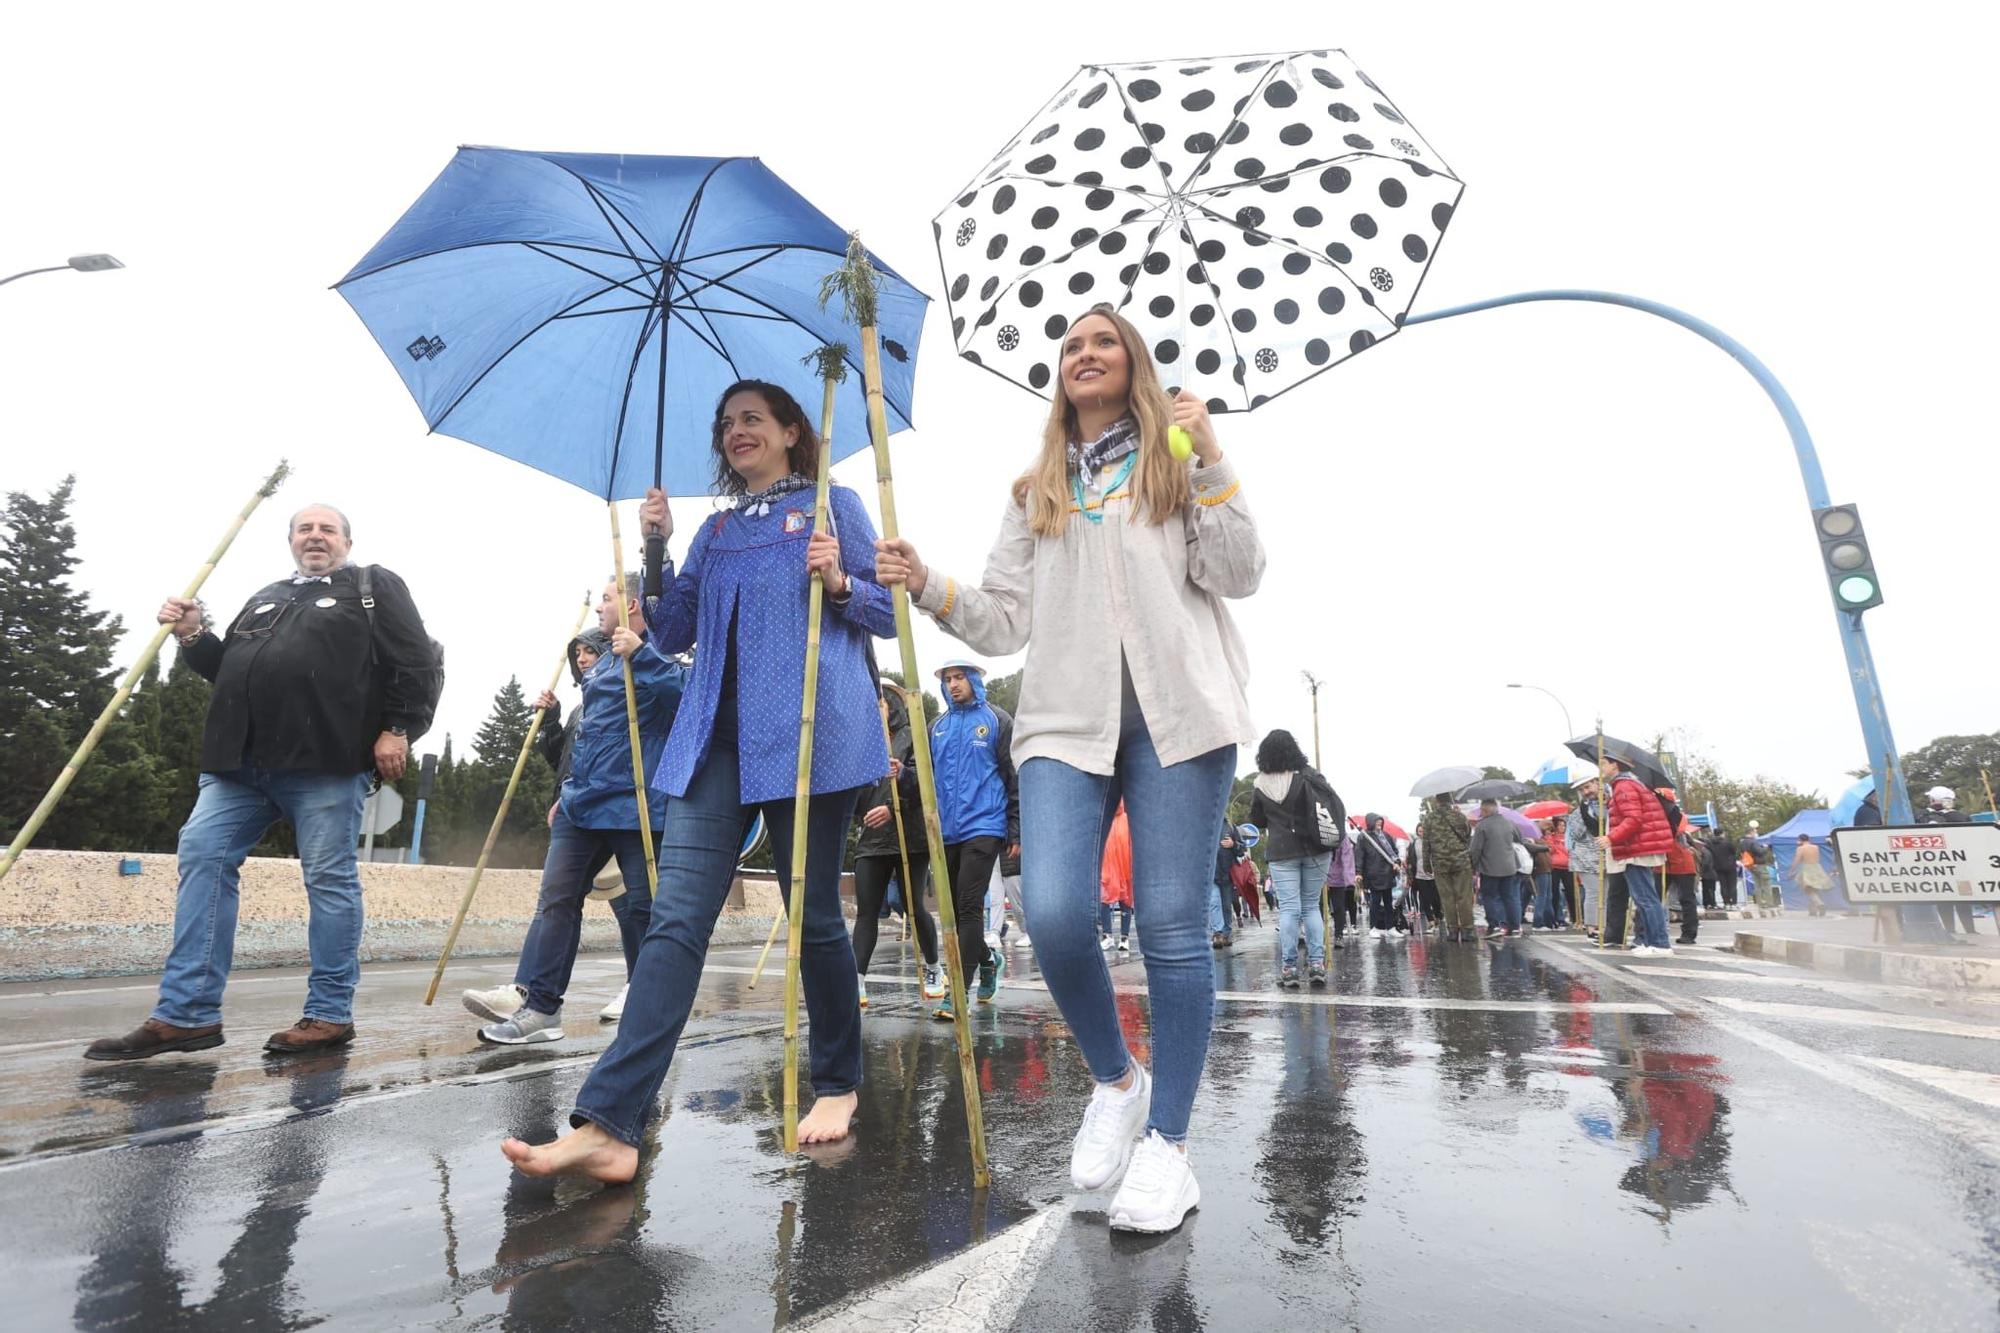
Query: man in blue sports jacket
[(979, 808)]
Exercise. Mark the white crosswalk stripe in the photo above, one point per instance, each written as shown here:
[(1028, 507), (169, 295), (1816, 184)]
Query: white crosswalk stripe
[(1967, 1083), (1865, 1018)]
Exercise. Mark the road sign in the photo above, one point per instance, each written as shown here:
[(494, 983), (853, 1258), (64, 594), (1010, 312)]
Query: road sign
[(382, 811), (1914, 863), (1248, 834)]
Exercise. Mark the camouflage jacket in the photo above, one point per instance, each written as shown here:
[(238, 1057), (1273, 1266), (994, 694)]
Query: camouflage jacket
[(1446, 834)]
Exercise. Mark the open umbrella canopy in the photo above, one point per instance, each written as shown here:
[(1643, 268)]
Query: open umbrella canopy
[(1529, 829), (1645, 765), (1389, 826), (580, 312), (1566, 771), (1545, 809), (1850, 801), (1493, 789), (1260, 218), (1444, 781)]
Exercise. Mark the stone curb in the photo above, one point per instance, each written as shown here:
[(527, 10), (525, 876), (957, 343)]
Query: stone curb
[(1872, 963)]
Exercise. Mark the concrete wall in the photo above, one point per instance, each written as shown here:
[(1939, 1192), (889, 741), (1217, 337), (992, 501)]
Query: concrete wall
[(71, 914)]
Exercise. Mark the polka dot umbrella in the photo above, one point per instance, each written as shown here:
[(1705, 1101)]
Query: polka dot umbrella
[(1259, 218)]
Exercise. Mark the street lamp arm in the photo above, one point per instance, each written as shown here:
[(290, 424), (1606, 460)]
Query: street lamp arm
[(1569, 728), (29, 272), (1883, 758)]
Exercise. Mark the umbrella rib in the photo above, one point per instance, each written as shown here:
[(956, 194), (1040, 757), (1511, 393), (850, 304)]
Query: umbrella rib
[(625, 399), (712, 340), (512, 348), (981, 311), (721, 350), (852, 362), (680, 269), (601, 277), (1286, 243), (607, 208), (1227, 130), (475, 245)]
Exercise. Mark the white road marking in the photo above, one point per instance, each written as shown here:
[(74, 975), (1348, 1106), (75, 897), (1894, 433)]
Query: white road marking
[(1837, 985), (1967, 1083), (1977, 1131), (978, 1289), (300, 977), (1860, 1018)]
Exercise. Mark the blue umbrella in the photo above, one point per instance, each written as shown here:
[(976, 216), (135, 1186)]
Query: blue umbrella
[(579, 312), (1563, 772), (1850, 801)]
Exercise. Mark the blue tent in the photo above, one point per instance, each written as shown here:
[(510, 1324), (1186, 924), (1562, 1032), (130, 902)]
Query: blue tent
[(1784, 842)]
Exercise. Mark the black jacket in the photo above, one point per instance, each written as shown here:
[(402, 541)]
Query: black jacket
[(882, 841), (1721, 855), (1373, 867), (296, 682), (1293, 825)]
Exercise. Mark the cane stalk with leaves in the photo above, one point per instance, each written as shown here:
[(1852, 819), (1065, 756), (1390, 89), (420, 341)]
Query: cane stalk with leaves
[(854, 285)]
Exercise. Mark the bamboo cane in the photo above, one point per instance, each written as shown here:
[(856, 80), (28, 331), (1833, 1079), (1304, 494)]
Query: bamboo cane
[(854, 282), (500, 815), (152, 650), (833, 372), (757, 972), (632, 706)]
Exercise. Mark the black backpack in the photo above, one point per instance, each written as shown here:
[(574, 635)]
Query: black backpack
[(428, 682)]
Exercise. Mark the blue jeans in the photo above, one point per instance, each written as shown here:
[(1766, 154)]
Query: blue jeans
[(1297, 883), (575, 856), (1174, 812), (1502, 896), (1548, 906), (698, 855), (1219, 916), (231, 813), (1104, 911), (1649, 925)]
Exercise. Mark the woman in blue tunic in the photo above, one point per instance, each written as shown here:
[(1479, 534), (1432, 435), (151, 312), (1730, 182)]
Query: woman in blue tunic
[(742, 595)]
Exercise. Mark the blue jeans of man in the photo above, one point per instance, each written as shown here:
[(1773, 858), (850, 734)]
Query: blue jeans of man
[(1502, 896), (1219, 915), (231, 813), (575, 856), (1173, 811), (698, 856), (1649, 914), (1297, 882)]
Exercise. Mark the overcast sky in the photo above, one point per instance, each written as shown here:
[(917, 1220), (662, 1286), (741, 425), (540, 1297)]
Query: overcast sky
[(1433, 509)]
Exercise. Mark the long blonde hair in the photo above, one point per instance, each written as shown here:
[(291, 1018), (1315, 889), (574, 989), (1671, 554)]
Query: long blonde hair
[(1159, 481)]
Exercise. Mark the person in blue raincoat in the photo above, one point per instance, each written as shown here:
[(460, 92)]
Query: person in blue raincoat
[(741, 593), (979, 811), (595, 818)]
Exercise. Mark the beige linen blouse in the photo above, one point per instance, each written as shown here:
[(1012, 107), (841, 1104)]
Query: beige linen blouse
[(1152, 591)]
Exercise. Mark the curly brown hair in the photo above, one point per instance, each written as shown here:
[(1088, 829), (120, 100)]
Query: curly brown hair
[(802, 457)]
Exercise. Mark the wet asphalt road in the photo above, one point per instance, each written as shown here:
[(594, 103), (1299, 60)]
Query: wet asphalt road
[(1529, 1134)]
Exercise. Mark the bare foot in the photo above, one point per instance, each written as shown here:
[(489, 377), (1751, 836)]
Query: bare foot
[(587, 1152), (829, 1119)]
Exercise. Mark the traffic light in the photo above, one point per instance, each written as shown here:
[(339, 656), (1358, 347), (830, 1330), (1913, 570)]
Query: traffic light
[(1843, 548)]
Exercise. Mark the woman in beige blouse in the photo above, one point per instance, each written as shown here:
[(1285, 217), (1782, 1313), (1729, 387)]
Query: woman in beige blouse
[(1113, 558)]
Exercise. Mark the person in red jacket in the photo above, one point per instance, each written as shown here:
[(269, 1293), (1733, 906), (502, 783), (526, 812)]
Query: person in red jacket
[(1637, 838)]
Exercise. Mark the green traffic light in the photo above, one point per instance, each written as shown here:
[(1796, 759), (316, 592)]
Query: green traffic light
[(1855, 589)]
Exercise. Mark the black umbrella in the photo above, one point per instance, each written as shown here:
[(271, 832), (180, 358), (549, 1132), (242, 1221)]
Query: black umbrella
[(1496, 789), (1643, 762)]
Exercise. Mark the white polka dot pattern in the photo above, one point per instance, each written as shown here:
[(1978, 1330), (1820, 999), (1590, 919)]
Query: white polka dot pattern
[(1258, 218)]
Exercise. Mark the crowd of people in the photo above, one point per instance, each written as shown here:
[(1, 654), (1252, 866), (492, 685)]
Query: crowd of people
[(1099, 810)]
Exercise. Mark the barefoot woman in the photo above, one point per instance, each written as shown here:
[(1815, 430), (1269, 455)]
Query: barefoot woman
[(1110, 568), (742, 595)]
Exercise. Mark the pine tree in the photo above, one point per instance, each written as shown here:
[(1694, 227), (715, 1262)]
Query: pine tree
[(482, 782)]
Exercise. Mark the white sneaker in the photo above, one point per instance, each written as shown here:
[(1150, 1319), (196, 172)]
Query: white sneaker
[(934, 985), (1021, 939), (1124, 946), (1374, 934), (1645, 951), (1104, 943), (1111, 1124), (614, 1011), (524, 1028), (496, 1005), (1159, 1191), (993, 941)]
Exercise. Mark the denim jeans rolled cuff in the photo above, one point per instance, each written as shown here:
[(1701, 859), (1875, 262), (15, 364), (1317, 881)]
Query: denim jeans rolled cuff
[(704, 833), (231, 814), (1173, 811)]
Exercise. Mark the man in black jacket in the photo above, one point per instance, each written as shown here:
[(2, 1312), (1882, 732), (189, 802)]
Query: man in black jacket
[(1720, 872), (322, 679)]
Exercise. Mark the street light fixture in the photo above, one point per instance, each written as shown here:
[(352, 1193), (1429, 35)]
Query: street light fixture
[(81, 263), (1568, 730)]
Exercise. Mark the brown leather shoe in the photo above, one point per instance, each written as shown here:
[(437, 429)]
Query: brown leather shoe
[(153, 1037), (309, 1034)]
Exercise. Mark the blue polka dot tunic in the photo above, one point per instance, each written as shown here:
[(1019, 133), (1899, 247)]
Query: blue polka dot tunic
[(741, 595)]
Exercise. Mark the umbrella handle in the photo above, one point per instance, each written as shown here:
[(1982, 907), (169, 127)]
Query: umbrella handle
[(656, 556)]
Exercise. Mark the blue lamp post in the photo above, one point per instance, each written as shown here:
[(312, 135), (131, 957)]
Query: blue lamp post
[(1918, 921)]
